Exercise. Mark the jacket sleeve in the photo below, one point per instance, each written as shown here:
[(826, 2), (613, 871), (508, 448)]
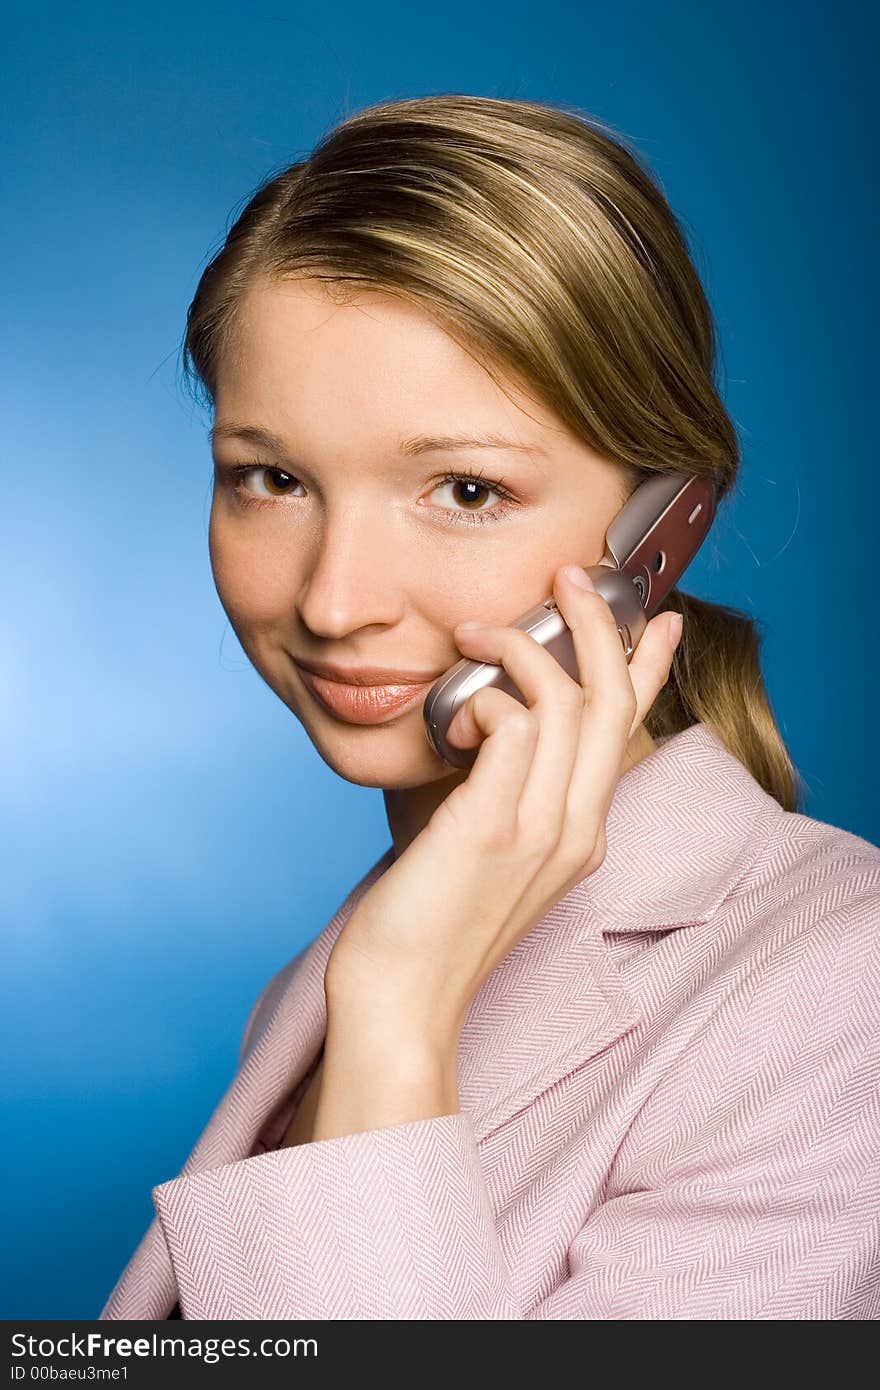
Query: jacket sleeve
[(386, 1223), (767, 1206)]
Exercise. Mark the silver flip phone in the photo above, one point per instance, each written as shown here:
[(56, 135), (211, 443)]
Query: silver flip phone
[(648, 546)]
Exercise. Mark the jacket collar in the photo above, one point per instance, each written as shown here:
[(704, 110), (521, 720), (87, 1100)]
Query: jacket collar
[(682, 829)]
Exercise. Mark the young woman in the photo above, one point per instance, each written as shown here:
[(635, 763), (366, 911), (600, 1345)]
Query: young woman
[(597, 1036)]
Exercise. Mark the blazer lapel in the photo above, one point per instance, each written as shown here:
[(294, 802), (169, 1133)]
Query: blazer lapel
[(552, 1004)]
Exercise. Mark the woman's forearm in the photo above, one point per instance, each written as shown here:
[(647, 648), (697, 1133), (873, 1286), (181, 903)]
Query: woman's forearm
[(377, 1072)]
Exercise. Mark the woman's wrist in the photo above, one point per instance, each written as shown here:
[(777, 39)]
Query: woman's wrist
[(381, 1070), (390, 1013)]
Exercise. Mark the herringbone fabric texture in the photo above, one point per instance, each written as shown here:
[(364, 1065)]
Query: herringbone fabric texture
[(669, 1102)]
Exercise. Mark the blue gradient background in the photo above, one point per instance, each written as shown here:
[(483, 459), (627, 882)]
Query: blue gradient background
[(169, 835)]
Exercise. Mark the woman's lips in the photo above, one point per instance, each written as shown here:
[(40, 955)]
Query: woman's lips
[(362, 704)]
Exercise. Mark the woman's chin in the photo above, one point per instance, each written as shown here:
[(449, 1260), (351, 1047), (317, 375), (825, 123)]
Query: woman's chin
[(381, 755)]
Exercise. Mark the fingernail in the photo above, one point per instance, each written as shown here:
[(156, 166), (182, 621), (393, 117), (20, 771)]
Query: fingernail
[(465, 627), (578, 576), (676, 623)]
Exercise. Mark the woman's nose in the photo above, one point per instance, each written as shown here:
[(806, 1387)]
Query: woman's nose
[(356, 581)]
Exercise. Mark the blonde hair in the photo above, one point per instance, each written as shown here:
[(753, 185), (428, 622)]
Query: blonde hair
[(543, 246)]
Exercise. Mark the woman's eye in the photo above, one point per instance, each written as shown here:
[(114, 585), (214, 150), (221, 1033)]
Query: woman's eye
[(468, 493), (277, 483)]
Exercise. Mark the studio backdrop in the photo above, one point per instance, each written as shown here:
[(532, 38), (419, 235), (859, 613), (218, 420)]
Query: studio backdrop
[(169, 833)]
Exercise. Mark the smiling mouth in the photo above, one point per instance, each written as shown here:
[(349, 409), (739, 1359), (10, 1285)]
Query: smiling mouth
[(363, 704)]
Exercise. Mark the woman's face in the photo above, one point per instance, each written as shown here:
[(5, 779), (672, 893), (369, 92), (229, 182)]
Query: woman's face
[(346, 544)]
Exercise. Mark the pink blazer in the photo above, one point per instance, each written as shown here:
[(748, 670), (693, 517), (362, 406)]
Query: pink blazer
[(669, 1101)]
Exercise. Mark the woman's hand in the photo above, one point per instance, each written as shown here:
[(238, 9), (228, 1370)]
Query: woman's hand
[(515, 836)]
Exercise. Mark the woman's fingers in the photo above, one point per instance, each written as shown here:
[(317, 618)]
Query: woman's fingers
[(619, 702), (650, 665), (556, 705), (484, 807), (549, 770)]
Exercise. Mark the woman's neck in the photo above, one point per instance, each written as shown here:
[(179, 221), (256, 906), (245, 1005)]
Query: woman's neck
[(409, 809)]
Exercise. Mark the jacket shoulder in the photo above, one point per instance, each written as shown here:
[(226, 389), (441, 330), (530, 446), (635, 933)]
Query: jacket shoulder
[(266, 1000), (811, 871)]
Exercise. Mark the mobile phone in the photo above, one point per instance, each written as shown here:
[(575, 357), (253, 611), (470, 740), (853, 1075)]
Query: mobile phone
[(648, 546)]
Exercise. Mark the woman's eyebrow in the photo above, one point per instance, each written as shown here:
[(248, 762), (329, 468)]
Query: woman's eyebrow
[(417, 444), (251, 434), (426, 443)]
